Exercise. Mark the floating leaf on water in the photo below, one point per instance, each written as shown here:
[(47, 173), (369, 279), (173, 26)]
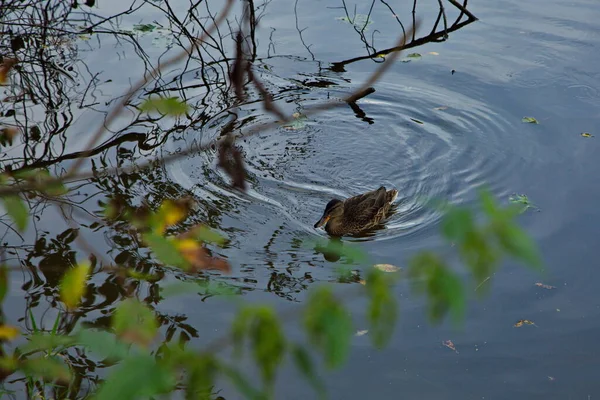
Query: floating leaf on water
[(545, 286), (414, 55), (522, 199), (441, 108), (362, 282), (8, 332), (551, 378), (587, 135), (417, 121), (434, 53), (387, 267), (144, 27), (522, 322), (361, 333), (530, 120), (448, 343), (360, 21), (298, 123)]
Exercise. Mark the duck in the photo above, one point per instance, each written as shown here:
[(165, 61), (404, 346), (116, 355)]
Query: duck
[(357, 214)]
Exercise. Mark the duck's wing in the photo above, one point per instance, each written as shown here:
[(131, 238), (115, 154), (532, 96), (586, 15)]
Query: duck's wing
[(365, 208)]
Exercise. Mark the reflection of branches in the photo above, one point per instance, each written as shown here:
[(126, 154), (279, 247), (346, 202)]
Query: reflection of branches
[(434, 36), (307, 47)]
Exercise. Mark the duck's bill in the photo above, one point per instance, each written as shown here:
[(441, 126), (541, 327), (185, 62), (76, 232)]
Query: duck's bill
[(322, 221)]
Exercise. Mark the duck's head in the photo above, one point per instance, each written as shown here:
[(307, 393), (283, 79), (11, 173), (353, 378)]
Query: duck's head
[(333, 209)]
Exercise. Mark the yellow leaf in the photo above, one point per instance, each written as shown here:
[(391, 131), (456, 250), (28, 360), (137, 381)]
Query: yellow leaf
[(8, 332), (73, 285), (170, 213), (587, 135), (386, 267), (434, 53)]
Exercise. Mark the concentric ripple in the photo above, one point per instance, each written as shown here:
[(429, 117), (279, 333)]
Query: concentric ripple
[(428, 142)]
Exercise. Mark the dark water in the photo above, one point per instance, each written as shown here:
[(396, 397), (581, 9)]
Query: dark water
[(535, 58)]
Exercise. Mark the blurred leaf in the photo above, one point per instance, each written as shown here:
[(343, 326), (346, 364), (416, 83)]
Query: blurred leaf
[(530, 120), (197, 257), (587, 135), (383, 309), (417, 121), (262, 327), (242, 384), (73, 284), (3, 282), (165, 250), (134, 322), (430, 275), (202, 372), (519, 245), (207, 235), (170, 212), (5, 67), (165, 106), (305, 365), (45, 342), (51, 368), (328, 326), (457, 223), (18, 211), (8, 332), (102, 343), (137, 377), (7, 135), (414, 55)]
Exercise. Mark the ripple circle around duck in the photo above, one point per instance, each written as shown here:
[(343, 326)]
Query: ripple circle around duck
[(459, 146)]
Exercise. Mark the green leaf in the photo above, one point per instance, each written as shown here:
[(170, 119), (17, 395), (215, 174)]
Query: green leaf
[(136, 378), (51, 368), (519, 245), (165, 105), (202, 372), (134, 322), (45, 342), (3, 282), (165, 250), (73, 284), (328, 326), (383, 308), (102, 343), (207, 235), (431, 276), (306, 367), (414, 55), (457, 224), (18, 211), (530, 120), (262, 327), (587, 135), (242, 384)]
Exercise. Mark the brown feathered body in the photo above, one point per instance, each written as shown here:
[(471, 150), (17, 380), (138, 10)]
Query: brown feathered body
[(358, 213)]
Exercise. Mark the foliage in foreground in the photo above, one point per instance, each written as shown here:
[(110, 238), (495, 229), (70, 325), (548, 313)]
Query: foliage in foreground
[(129, 348)]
